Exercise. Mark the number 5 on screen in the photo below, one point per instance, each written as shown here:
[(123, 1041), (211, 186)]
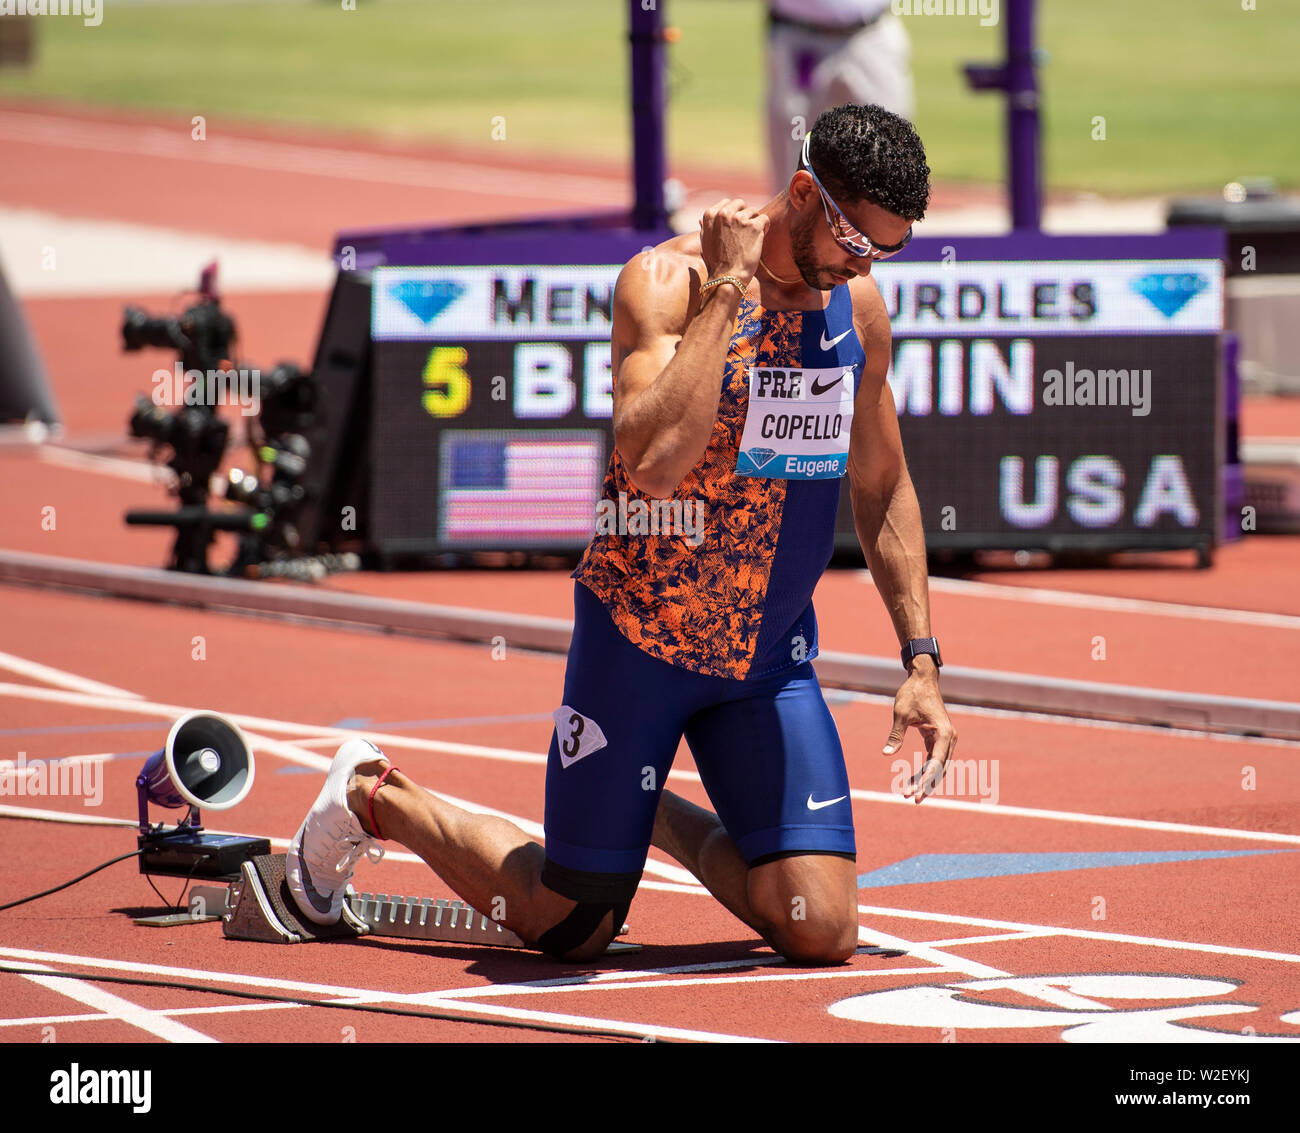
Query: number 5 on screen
[(446, 392)]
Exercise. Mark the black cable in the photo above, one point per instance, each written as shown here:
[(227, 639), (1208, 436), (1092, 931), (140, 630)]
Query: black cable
[(166, 903), (35, 896), (178, 985), (188, 878)]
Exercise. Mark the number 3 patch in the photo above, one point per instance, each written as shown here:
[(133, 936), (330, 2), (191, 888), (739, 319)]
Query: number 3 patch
[(577, 735)]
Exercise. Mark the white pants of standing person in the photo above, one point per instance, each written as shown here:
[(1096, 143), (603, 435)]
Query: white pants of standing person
[(809, 71)]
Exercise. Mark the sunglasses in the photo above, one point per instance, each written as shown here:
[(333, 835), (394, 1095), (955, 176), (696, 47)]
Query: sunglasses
[(844, 233)]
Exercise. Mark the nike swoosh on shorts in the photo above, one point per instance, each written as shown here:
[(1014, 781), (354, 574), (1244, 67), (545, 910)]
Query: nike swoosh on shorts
[(829, 802)]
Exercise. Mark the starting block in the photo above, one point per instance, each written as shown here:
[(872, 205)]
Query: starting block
[(259, 907)]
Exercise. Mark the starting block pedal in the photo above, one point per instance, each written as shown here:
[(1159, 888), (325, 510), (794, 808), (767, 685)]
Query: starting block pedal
[(261, 908)]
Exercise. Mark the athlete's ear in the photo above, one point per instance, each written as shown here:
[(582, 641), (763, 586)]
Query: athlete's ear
[(802, 187)]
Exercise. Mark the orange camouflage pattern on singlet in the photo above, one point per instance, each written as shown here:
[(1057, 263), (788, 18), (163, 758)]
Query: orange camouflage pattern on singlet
[(700, 607)]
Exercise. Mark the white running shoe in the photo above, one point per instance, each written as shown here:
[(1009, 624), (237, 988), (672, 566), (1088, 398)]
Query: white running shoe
[(330, 841)]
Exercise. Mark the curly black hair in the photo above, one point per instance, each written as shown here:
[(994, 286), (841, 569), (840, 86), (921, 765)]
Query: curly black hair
[(867, 153)]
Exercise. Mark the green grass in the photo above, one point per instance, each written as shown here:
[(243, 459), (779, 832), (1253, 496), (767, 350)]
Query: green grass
[(1194, 92)]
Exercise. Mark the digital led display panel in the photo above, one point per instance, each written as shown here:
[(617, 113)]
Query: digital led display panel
[(1067, 402)]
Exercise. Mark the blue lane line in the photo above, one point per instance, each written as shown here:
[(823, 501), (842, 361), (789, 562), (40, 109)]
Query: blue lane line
[(965, 867)]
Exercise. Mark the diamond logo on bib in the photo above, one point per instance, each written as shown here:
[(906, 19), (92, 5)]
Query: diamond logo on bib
[(798, 423)]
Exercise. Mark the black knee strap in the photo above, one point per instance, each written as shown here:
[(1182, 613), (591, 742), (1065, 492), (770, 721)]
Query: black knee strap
[(577, 928)]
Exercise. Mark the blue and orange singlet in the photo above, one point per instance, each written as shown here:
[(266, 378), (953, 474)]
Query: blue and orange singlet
[(735, 600)]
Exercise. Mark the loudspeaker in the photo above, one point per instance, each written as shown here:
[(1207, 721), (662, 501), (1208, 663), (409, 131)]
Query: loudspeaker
[(206, 763)]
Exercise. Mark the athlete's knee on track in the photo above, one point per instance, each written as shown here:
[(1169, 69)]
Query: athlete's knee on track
[(570, 947), (822, 940), (577, 913), (582, 934), (816, 926)]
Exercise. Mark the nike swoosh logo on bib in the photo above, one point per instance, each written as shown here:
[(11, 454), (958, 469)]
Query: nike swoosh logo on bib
[(817, 389), (827, 345)]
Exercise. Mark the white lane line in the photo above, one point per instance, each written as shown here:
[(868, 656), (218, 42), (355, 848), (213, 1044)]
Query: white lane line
[(995, 938), (290, 752), (773, 961), (151, 708), (263, 724), (441, 998), (622, 976), (119, 467), (51, 763), (75, 817), (946, 961), (314, 161), (115, 1007), (1079, 933), (171, 1013), (869, 934), (200, 975), (628, 1028), (368, 995), (492, 991), (403, 856), (315, 760), (844, 696), (1070, 598), (1076, 816), (60, 678), (55, 1020)]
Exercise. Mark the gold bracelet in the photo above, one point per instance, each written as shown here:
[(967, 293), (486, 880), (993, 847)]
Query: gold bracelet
[(724, 279)]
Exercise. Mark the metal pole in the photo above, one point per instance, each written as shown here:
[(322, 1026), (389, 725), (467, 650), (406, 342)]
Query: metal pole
[(1017, 78), (1024, 165), (645, 26)]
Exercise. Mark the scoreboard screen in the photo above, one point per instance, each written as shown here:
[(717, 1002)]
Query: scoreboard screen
[(1059, 404), (493, 401), (1050, 394)]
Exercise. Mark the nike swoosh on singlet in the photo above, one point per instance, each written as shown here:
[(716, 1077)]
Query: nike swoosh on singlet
[(817, 389), (829, 802), (827, 345)]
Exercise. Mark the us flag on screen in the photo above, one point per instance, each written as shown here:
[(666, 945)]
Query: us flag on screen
[(528, 486)]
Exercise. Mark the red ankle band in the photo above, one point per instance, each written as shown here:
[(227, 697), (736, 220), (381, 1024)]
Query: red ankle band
[(378, 783)]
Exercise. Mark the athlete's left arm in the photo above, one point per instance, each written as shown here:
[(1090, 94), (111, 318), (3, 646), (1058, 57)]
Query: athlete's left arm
[(888, 521)]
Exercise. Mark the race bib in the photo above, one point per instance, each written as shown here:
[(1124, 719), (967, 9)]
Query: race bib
[(798, 423)]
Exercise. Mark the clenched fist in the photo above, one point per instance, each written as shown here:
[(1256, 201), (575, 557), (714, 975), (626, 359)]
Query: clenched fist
[(731, 239)]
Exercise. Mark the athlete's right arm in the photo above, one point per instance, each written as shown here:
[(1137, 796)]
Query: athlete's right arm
[(670, 347)]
